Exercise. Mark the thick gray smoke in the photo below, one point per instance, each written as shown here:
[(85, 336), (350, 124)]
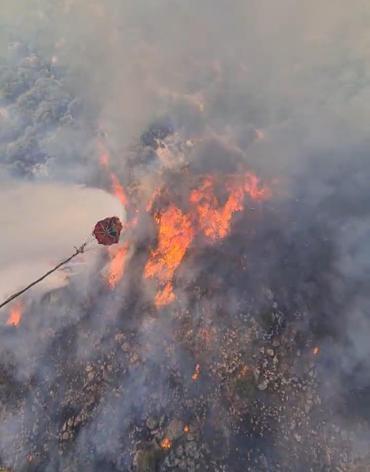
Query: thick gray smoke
[(96, 378)]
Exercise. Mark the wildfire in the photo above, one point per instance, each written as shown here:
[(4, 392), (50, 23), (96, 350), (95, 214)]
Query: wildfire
[(212, 205), (118, 189), (196, 373), (214, 219), (165, 296), (117, 265), (151, 200), (316, 351), (254, 188), (186, 429), (118, 254), (15, 314), (175, 236), (166, 443), (177, 229)]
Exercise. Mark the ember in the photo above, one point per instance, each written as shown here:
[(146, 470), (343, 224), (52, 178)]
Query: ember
[(196, 373), (178, 229), (166, 443)]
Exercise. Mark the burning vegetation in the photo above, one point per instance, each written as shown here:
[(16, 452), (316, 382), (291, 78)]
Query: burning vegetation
[(116, 267), (15, 315), (175, 235), (178, 227), (234, 370), (207, 338), (166, 443)]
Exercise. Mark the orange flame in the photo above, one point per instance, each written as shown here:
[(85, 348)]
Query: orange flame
[(15, 315), (118, 189), (117, 265), (152, 199), (316, 351), (215, 220), (166, 443), (196, 373), (186, 429), (118, 254), (175, 235), (165, 296), (254, 188), (177, 229)]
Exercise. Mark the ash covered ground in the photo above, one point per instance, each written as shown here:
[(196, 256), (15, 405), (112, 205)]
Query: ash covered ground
[(228, 330)]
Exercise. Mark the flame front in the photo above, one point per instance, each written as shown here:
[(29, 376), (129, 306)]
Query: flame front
[(177, 229), (215, 220), (15, 315), (174, 237)]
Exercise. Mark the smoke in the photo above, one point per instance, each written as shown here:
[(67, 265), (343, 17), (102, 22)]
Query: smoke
[(41, 225), (173, 91)]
